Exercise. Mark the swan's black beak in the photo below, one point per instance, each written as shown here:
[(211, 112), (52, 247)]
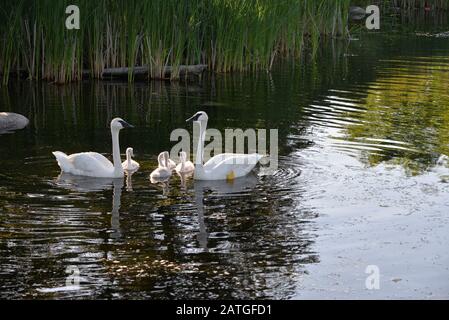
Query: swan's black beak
[(194, 117), (126, 124)]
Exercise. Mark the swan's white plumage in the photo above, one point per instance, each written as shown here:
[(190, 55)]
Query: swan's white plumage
[(162, 171), (184, 166), (171, 164), (225, 166), (132, 165), (129, 164), (90, 164), (161, 160)]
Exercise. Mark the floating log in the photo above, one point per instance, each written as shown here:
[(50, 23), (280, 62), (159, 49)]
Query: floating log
[(144, 71)]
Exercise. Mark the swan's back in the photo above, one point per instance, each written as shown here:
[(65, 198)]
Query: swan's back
[(237, 159), (160, 173), (86, 163), (228, 166), (188, 167), (132, 166)]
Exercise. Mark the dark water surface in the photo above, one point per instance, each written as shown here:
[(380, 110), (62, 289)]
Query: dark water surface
[(364, 106)]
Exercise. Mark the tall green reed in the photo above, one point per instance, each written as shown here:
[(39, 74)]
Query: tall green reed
[(227, 35)]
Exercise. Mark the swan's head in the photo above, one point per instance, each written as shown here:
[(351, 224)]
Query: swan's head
[(118, 124), (130, 152), (162, 159), (199, 116)]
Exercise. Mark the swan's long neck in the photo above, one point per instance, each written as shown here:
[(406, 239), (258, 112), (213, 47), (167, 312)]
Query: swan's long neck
[(128, 158), (166, 160), (116, 152), (200, 149), (183, 163)]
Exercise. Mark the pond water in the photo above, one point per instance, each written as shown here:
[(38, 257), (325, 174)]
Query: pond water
[(362, 180)]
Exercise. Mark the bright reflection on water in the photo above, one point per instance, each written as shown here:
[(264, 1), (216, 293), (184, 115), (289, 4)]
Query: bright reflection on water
[(384, 103)]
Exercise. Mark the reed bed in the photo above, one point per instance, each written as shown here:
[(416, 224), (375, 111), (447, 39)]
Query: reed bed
[(413, 4), (227, 35), (405, 4)]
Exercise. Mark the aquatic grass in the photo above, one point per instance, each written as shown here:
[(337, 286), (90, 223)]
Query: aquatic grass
[(412, 4), (231, 35), (405, 4)]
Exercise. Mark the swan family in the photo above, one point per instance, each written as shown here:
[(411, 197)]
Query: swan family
[(225, 166)]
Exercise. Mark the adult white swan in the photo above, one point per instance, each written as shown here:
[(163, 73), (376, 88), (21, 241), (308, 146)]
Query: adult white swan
[(93, 164), (224, 166)]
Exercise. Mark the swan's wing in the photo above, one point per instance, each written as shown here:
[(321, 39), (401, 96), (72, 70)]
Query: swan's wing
[(90, 163), (233, 159), (230, 166), (100, 158), (219, 158)]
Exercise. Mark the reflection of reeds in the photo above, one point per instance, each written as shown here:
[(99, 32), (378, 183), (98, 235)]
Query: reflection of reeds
[(95, 103), (227, 35)]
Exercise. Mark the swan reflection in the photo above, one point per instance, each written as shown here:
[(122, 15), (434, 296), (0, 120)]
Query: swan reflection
[(184, 177), (163, 182), (129, 180), (222, 188), (88, 184)]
